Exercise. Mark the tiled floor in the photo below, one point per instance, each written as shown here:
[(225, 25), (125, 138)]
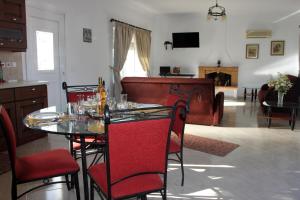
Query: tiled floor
[(266, 166)]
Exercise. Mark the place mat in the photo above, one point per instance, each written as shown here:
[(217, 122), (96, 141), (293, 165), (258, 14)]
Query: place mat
[(96, 127), (42, 118), (61, 117), (207, 145), (4, 162)]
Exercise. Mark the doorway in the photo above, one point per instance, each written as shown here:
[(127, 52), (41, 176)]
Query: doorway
[(45, 52)]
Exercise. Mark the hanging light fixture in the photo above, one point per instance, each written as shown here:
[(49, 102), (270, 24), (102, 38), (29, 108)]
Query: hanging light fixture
[(216, 12)]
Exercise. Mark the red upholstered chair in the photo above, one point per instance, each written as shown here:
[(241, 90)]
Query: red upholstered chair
[(176, 142), (94, 145), (181, 100), (39, 166), (176, 94), (72, 91), (136, 162)]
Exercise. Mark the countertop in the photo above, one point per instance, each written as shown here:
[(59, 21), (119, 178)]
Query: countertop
[(16, 84)]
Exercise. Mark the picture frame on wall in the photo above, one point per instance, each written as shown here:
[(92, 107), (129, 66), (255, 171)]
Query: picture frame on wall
[(252, 51), (87, 35), (277, 48)]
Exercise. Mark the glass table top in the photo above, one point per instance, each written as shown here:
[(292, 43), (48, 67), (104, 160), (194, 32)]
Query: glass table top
[(54, 121)]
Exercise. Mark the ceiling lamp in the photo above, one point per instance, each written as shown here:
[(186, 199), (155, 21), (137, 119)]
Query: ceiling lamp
[(216, 12)]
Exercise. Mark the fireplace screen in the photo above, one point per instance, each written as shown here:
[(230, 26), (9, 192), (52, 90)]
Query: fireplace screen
[(221, 79)]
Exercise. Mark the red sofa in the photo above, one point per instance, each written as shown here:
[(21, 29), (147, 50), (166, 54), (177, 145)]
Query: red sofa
[(205, 107)]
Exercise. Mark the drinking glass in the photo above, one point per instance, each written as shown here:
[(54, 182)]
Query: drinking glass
[(112, 103), (123, 101), (123, 98), (80, 107)]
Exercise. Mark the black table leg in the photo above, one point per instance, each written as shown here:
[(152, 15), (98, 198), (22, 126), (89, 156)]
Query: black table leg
[(293, 119), (269, 117), (84, 168), (255, 94), (245, 94), (252, 95)]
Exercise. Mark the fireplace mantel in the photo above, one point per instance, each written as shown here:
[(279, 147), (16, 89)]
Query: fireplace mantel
[(233, 71)]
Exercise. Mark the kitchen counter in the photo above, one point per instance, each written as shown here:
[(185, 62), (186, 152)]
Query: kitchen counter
[(17, 84), (19, 99)]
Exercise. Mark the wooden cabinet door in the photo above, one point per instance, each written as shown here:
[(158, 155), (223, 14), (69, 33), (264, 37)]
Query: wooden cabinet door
[(10, 109), (12, 36), (23, 108), (13, 11)]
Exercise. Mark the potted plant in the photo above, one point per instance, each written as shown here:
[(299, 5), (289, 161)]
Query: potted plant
[(282, 85)]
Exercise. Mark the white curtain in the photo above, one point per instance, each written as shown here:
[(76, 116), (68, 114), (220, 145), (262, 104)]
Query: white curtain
[(122, 38), (143, 44)]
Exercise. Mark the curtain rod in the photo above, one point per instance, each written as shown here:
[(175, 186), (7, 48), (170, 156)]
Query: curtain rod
[(114, 20)]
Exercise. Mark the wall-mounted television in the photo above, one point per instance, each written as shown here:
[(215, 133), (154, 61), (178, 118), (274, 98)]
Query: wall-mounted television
[(186, 40)]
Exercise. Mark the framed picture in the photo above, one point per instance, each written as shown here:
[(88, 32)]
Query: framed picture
[(252, 51), (277, 48), (87, 35)]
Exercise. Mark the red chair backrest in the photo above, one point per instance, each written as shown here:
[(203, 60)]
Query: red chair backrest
[(74, 96), (74, 91), (172, 99), (9, 134), (175, 94), (180, 118), (138, 147)]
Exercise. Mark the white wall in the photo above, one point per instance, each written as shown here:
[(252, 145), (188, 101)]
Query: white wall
[(218, 40), (85, 62), (226, 41)]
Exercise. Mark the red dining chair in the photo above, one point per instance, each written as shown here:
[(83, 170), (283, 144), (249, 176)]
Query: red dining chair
[(38, 166), (94, 145), (176, 93), (181, 100), (136, 162), (176, 142)]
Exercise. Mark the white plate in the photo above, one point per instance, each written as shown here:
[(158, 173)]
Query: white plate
[(49, 116), (146, 105), (89, 104)]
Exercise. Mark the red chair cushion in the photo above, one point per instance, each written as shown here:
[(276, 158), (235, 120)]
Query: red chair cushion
[(45, 164), (174, 147), (131, 186)]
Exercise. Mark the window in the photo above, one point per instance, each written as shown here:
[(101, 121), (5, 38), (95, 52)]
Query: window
[(132, 66), (45, 51)]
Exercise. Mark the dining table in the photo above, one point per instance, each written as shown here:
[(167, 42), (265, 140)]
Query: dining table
[(54, 121)]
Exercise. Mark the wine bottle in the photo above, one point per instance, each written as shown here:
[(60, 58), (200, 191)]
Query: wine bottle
[(103, 96)]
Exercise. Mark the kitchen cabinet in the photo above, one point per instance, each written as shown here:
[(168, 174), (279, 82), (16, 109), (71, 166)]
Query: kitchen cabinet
[(13, 25), (13, 11), (19, 102)]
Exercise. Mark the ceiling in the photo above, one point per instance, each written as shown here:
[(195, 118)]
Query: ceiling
[(233, 7)]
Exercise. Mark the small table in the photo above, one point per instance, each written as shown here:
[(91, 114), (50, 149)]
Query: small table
[(83, 126), (253, 93), (78, 125), (286, 105)]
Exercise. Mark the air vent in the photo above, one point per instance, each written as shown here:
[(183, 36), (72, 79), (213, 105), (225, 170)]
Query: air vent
[(259, 34)]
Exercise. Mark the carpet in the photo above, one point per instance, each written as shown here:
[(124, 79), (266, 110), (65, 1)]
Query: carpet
[(207, 145), (4, 163)]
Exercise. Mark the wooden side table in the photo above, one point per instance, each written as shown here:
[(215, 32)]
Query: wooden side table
[(291, 117)]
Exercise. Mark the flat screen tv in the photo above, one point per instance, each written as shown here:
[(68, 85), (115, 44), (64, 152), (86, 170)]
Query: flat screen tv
[(186, 40)]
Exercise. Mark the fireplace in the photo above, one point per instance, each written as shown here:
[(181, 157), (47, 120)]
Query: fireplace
[(226, 78), (223, 76), (220, 79)]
